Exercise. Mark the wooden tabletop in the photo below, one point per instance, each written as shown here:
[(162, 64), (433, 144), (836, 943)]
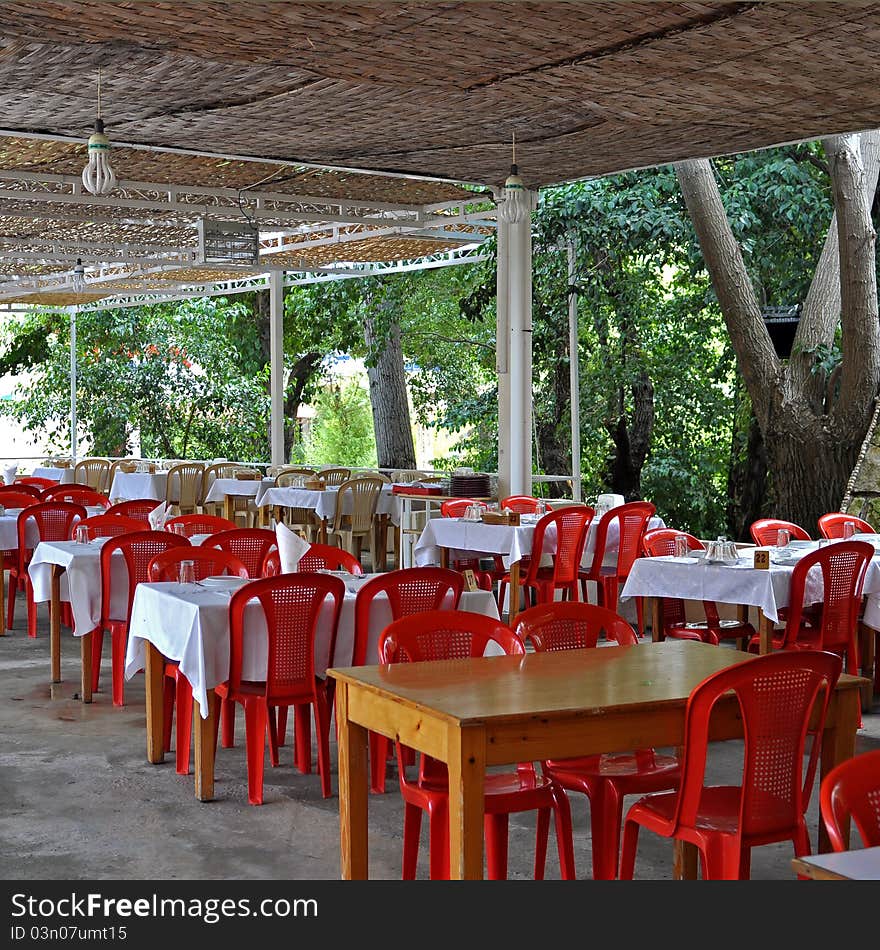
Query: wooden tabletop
[(859, 865)]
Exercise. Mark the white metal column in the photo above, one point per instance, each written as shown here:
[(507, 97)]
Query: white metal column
[(574, 375), (502, 358), (73, 436), (276, 366)]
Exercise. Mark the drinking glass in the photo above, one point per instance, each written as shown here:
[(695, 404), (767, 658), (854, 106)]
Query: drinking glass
[(783, 536), (178, 528), (187, 572), (849, 529), (82, 534), (681, 545)]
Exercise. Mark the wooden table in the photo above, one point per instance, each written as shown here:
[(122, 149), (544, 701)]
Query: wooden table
[(476, 713), (860, 865)]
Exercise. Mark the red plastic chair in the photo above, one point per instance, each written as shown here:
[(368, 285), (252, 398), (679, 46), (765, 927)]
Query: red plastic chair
[(764, 530), (833, 621), (571, 526), (201, 524), (138, 549), (249, 545), (632, 520), (54, 521), (831, 525), (16, 492), (776, 694), (661, 543), (76, 495), (522, 504), (107, 526), (36, 481), (412, 590), (165, 566), (292, 604), (137, 508), (456, 507), (450, 635), (851, 790), (605, 779), (326, 557)]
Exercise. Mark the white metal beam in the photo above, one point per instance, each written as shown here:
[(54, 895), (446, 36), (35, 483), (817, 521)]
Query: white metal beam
[(276, 366)]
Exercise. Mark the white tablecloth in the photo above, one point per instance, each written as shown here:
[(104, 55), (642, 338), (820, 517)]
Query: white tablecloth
[(190, 624), (323, 503), (741, 584), (130, 485), (9, 528), (242, 487), (63, 475)]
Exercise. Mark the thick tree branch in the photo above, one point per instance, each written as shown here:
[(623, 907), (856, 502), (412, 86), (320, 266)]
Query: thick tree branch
[(758, 362)]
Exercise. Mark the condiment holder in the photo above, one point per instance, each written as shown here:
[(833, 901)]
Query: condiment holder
[(721, 551)]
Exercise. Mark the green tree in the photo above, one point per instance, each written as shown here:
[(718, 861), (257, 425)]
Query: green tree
[(342, 431)]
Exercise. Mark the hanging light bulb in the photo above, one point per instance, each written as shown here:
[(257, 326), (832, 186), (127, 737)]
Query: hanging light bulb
[(98, 177), (515, 205), (78, 281)]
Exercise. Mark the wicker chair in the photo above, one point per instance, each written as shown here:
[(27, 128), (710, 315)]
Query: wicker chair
[(93, 472), (352, 528), (209, 476), (303, 520), (184, 487), (334, 476)]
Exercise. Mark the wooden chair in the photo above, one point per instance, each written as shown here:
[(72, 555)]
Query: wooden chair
[(93, 472), (353, 527), (209, 476), (184, 487)]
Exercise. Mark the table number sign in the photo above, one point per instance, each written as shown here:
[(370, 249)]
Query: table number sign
[(470, 580), (762, 560)]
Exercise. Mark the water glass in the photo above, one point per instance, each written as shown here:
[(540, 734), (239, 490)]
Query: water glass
[(849, 529), (541, 508), (783, 536), (82, 534), (178, 528), (187, 572), (681, 545)]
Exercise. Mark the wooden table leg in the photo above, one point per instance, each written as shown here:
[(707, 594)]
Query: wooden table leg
[(656, 609), (154, 672), (203, 731), (514, 593), (685, 857), (55, 622), (85, 650), (444, 557), (467, 767), (322, 531), (229, 508), (353, 791), (382, 542), (398, 548), (838, 743), (765, 633)]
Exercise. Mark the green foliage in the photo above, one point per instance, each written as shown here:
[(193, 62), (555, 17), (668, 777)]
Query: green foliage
[(342, 431)]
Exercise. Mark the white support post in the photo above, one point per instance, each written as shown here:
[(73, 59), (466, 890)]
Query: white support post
[(574, 375), (276, 366), (502, 359), (73, 436)]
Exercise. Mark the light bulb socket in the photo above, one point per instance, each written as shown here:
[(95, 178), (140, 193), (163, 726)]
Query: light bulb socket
[(99, 126)]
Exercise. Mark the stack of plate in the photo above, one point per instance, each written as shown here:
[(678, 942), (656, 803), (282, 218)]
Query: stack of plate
[(469, 486)]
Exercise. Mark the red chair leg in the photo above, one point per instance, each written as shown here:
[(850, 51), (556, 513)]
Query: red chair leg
[(302, 725), (496, 827), (97, 650), (282, 725), (564, 835), (184, 699), (628, 850), (31, 609), (412, 829), (118, 641), (168, 691), (606, 813), (542, 833), (273, 737), (322, 730), (255, 715), (10, 600), (438, 842)]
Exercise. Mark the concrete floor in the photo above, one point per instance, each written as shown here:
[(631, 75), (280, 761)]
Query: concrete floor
[(80, 800)]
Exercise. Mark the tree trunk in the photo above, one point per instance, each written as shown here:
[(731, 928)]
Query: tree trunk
[(388, 397), (631, 442), (300, 376), (747, 477)]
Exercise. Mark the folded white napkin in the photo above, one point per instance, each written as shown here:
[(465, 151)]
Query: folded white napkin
[(610, 501), (291, 548), (158, 516), (9, 473)]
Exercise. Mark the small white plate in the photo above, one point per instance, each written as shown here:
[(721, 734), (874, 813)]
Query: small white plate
[(224, 582)]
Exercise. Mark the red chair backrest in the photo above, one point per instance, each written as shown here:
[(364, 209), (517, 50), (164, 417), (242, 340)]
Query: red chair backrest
[(660, 542), (763, 531), (107, 526), (201, 524), (19, 489), (777, 694), (36, 481), (843, 566), (292, 604), (445, 635), (412, 590), (831, 525), (851, 790), (632, 520), (54, 521), (138, 548), (571, 526), (17, 499), (326, 557), (77, 494), (572, 625), (456, 507), (207, 562), (137, 508), (524, 504), (249, 545)]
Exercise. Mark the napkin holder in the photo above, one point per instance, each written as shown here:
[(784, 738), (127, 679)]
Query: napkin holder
[(247, 476), (501, 517), (315, 484)]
